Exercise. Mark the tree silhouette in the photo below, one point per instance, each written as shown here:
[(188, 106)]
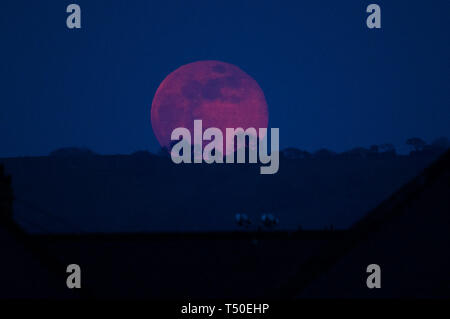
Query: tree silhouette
[(357, 152), (387, 147), (417, 143)]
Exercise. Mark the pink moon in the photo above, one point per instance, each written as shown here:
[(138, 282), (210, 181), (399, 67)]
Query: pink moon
[(218, 93)]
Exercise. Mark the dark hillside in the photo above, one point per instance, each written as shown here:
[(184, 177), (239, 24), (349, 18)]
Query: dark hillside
[(143, 192)]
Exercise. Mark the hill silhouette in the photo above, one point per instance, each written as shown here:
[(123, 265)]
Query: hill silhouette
[(84, 192)]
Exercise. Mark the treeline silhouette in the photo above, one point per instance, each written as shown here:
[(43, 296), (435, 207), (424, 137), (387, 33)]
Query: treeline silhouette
[(416, 146)]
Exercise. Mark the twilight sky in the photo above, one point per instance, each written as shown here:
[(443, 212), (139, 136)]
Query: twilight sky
[(329, 81)]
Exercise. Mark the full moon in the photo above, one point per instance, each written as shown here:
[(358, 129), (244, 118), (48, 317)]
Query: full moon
[(218, 93)]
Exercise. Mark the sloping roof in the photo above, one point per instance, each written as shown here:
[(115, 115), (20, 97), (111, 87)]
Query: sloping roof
[(408, 235)]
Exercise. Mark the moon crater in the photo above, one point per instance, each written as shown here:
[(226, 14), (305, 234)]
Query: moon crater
[(218, 93)]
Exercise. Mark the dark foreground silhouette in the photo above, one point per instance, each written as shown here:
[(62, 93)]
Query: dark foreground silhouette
[(407, 235)]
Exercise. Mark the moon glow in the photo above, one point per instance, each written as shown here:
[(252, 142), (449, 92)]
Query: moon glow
[(218, 93)]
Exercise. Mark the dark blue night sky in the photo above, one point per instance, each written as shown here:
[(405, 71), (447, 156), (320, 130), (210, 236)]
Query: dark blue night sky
[(329, 81)]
